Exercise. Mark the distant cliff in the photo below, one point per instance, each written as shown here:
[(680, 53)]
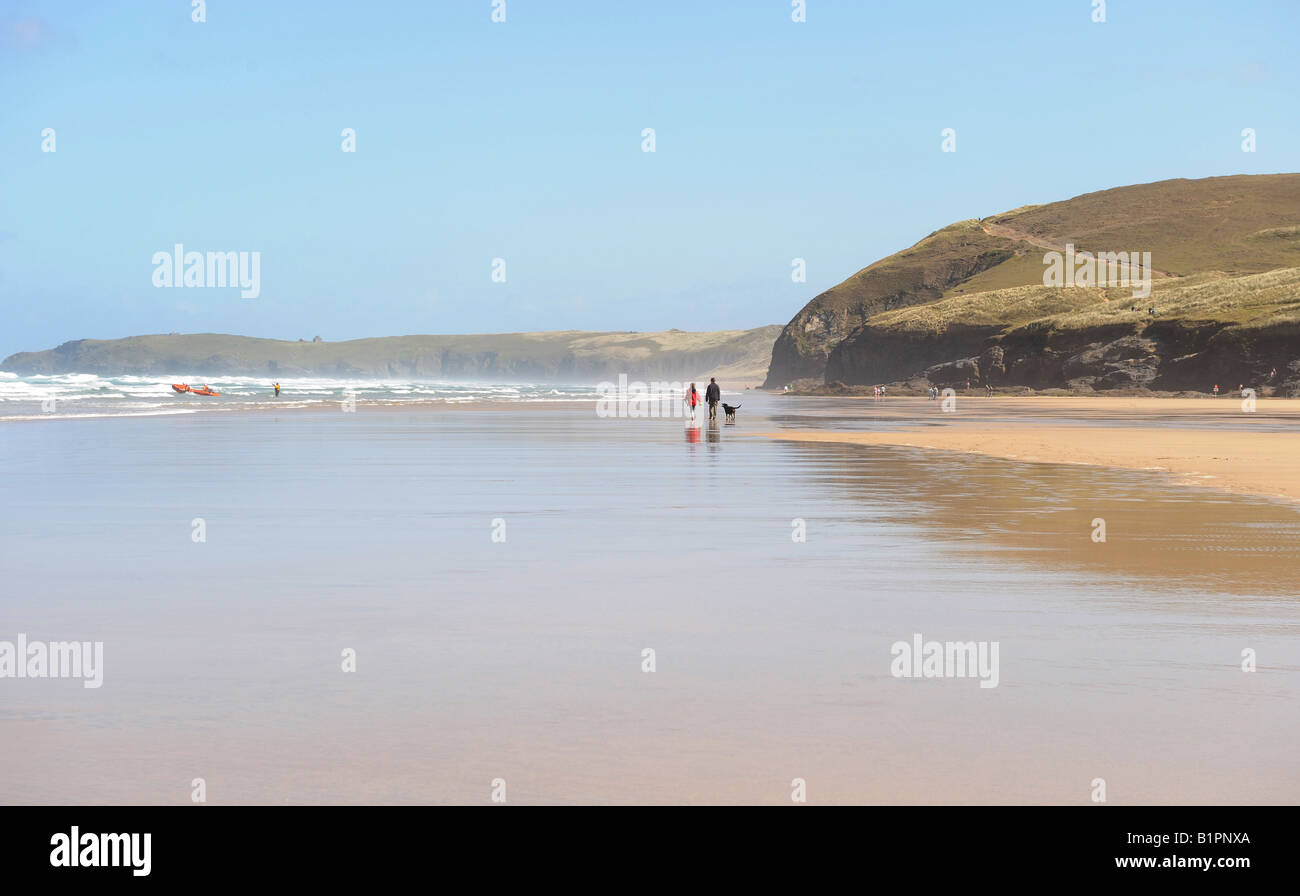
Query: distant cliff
[(968, 301), (739, 357)]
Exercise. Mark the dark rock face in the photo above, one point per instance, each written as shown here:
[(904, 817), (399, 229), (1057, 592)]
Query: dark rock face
[(1172, 356), (792, 360), (919, 275), (954, 373), (1130, 362), (863, 359)]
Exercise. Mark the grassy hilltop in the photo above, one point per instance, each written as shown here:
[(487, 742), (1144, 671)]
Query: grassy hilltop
[(739, 357), (968, 301)]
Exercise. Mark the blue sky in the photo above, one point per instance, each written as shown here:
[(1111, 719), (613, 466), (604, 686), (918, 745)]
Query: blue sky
[(477, 140)]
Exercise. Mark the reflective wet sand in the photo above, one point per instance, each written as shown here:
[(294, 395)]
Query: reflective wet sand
[(1232, 444), (522, 659)]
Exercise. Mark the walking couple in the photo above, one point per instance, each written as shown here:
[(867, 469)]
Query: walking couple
[(712, 395)]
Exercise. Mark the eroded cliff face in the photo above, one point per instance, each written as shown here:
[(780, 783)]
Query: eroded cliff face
[(1165, 356), (918, 275), (800, 352)]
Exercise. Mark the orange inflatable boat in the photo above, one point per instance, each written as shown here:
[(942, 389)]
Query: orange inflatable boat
[(203, 390)]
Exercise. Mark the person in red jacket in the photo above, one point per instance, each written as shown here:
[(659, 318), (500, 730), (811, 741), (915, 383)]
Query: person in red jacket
[(692, 399)]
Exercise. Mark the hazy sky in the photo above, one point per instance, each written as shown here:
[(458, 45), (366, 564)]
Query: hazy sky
[(523, 141)]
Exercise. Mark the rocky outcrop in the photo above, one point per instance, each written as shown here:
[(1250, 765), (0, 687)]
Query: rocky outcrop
[(1227, 229), (1166, 356), (915, 276)]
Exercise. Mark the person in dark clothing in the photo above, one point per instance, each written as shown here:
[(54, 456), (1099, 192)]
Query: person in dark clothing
[(713, 395)]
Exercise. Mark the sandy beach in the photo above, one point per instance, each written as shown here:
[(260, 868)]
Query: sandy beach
[(521, 658), (1204, 442)]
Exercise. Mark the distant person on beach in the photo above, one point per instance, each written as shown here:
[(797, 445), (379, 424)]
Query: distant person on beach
[(277, 389), (1216, 390), (713, 395), (692, 399)]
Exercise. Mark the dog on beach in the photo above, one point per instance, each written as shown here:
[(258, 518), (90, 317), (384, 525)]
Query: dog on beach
[(731, 412)]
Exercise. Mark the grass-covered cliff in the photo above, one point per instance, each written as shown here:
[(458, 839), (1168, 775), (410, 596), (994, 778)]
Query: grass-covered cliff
[(968, 301)]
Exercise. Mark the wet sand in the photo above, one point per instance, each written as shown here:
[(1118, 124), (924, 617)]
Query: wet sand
[(522, 659), (1204, 442)]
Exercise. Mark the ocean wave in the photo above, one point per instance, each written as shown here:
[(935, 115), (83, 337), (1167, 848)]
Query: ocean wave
[(40, 396)]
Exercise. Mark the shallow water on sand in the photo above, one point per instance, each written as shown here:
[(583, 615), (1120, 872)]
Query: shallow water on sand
[(522, 659)]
